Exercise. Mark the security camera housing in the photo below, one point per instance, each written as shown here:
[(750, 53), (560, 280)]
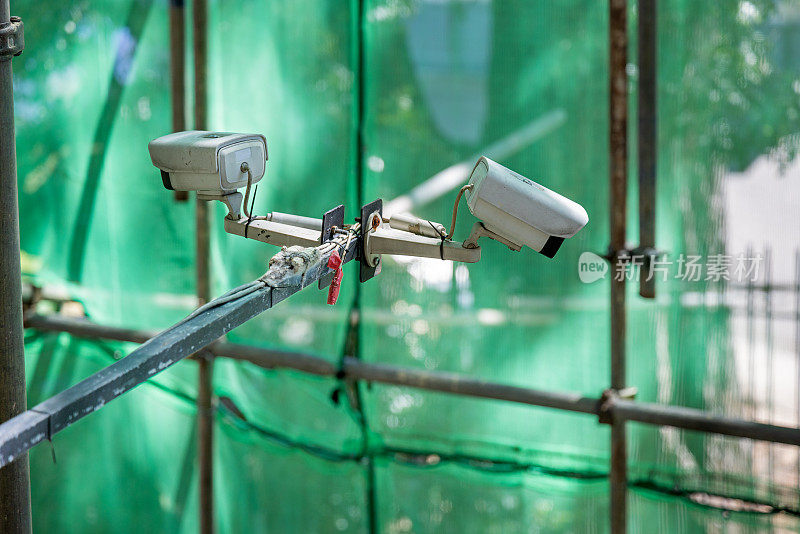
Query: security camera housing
[(209, 162), (521, 211)]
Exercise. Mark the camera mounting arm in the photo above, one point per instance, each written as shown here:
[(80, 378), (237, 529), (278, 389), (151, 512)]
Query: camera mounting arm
[(378, 239), (272, 232), (387, 240)]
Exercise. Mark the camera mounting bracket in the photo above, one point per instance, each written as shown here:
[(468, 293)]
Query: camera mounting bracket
[(369, 264), (333, 218), (479, 230)]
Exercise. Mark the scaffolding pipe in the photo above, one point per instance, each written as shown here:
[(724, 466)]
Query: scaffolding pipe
[(263, 358), (205, 368), (15, 495), (177, 72), (647, 140), (618, 172), (463, 385), (619, 409), (690, 419), (86, 329)]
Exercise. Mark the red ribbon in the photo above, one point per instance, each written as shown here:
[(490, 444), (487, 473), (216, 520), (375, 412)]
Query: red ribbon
[(335, 263)]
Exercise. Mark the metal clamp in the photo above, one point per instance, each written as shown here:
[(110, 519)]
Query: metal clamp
[(369, 266), (12, 38), (605, 412), (372, 224), (331, 219)]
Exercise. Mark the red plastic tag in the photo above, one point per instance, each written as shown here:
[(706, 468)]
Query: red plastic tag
[(335, 263)]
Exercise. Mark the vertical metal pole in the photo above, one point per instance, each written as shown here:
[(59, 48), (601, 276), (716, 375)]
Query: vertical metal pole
[(15, 492), (205, 441), (353, 344), (647, 138), (770, 394), (750, 307), (618, 152), (177, 72), (205, 420), (797, 347)]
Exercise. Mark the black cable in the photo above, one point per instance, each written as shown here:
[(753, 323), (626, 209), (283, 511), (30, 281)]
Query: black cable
[(250, 212)]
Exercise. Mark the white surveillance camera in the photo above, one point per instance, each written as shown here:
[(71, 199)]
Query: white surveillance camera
[(518, 211), (215, 164)]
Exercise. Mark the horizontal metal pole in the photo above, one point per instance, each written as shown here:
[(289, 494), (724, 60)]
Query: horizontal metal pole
[(261, 357), (197, 331), (56, 413), (641, 412), (691, 419), (272, 359), (86, 328), (462, 385)]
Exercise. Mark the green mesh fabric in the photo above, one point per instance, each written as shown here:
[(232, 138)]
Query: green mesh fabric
[(442, 81)]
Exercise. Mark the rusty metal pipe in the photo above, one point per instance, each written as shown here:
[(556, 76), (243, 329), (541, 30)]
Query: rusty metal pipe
[(205, 421), (647, 140), (177, 72), (620, 409), (618, 172)]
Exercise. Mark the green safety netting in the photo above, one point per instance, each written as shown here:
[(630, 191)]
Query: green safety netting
[(442, 81)]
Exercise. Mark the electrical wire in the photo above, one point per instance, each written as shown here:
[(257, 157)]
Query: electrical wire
[(455, 210), (353, 230), (249, 217), (245, 167), (339, 240)]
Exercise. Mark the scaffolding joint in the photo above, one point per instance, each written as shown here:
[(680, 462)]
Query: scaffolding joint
[(627, 254), (608, 400), (12, 38)]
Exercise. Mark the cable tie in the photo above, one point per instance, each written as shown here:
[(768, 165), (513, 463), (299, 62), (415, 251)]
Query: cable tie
[(442, 236)]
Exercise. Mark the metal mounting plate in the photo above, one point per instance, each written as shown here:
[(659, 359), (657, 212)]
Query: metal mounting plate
[(366, 272), (333, 217)]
